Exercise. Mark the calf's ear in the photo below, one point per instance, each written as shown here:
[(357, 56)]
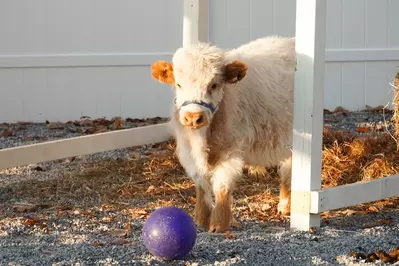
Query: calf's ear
[(235, 71), (163, 72)]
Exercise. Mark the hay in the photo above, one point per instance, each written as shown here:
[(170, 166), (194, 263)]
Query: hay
[(111, 180), (354, 159), (396, 106), (339, 136), (138, 185)]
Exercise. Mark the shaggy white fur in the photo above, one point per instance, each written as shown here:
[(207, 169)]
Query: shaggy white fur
[(251, 88)]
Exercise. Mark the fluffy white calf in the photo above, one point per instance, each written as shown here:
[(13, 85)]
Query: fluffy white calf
[(231, 108)]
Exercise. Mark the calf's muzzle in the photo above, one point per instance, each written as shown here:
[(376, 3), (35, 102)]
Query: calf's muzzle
[(195, 120)]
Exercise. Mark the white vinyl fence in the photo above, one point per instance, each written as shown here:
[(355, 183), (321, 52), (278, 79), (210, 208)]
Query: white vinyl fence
[(60, 60), (362, 42)]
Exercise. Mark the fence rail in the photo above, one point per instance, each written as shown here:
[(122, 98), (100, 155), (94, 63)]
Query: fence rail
[(64, 148)]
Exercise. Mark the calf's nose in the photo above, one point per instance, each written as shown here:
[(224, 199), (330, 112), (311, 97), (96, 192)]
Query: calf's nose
[(195, 120)]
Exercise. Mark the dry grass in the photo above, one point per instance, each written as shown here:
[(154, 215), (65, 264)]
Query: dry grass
[(349, 159), (112, 180), (139, 185), (146, 183), (396, 106)]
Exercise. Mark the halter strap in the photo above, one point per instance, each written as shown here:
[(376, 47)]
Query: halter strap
[(207, 105)]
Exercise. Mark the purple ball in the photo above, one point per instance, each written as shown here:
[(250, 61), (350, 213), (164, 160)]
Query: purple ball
[(169, 233)]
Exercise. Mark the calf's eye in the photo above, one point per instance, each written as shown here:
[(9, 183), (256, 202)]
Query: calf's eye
[(214, 86), (178, 85)]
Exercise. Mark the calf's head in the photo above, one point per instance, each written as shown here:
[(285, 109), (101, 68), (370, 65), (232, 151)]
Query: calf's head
[(199, 75)]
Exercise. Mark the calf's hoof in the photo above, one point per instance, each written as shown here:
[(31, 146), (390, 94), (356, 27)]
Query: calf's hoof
[(223, 227), (220, 223), (202, 222), (218, 228), (284, 208)]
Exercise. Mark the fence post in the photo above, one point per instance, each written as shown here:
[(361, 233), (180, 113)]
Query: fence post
[(195, 21), (308, 111)]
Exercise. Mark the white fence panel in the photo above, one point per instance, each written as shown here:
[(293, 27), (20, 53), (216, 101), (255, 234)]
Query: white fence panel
[(60, 60), (362, 52), (362, 42)]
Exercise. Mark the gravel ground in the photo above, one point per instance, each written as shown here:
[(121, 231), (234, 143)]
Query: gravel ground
[(255, 244), (101, 237)]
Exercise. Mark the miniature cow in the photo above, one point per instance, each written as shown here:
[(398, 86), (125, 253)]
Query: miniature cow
[(231, 108)]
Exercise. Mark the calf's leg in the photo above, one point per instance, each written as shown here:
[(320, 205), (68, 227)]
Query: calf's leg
[(202, 209), (223, 181), (284, 205)]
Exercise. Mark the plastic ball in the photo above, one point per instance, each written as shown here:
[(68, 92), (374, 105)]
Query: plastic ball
[(169, 233)]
